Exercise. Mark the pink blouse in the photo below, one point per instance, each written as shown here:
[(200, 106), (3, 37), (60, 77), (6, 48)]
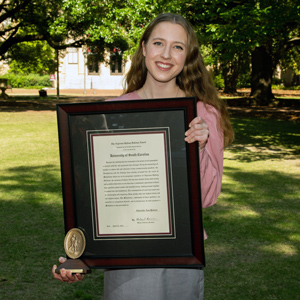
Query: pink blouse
[(211, 156)]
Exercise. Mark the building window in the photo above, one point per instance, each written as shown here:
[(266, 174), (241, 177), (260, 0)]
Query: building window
[(93, 64), (73, 55), (116, 62)]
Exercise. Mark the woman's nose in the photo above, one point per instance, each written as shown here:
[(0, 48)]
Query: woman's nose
[(166, 52)]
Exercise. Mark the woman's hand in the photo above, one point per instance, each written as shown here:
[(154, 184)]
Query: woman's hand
[(66, 275), (198, 132)]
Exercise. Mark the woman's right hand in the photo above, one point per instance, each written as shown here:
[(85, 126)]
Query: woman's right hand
[(66, 275)]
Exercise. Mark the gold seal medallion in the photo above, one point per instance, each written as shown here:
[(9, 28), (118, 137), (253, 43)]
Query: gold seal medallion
[(74, 243)]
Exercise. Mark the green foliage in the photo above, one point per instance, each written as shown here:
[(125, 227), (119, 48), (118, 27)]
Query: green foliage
[(229, 29), (235, 28), (219, 81), (28, 81), (282, 87), (122, 20), (291, 60), (32, 57), (244, 80)]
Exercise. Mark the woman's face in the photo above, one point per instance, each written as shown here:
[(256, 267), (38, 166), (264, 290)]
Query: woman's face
[(165, 52)]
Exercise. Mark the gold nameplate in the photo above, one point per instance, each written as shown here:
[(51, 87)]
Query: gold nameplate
[(74, 271)]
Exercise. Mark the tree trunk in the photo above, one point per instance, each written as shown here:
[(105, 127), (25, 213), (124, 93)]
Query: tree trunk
[(230, 75), (261, 77), (230, 83)]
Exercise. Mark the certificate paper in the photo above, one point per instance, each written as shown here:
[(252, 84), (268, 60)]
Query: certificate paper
[(131, 184)]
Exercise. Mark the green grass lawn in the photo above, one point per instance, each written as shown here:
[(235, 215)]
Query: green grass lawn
[(254, 231), (254, 236)]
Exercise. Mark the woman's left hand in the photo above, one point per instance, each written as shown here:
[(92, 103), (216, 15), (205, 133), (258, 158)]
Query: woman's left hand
[(198, 132), (66, 275)]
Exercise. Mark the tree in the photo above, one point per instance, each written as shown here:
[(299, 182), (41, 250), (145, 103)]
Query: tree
[(262, 29), (235, 29), (32, 57), (290, 62), (278, 33), (26, 21), (61, 23), (72, 23)]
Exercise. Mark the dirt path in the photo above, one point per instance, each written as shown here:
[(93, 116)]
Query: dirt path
[(287, 105), (240, 106)]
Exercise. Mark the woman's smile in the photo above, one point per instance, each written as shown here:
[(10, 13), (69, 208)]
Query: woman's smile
[(164, 66)]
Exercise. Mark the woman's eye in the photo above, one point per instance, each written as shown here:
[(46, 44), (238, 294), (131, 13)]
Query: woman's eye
[(157, 43), (178, 47)]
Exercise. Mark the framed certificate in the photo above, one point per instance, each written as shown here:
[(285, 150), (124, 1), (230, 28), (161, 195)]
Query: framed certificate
[(131, 184)]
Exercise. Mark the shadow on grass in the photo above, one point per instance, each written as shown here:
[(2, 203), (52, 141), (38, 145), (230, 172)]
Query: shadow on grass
[(25, 103), (270, 197), (32, 237), (31, 207), (32, 183), (32, 229), (280, 109), (254, 239), (260, 139)]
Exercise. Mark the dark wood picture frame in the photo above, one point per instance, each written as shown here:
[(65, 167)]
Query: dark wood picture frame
[(182, 245)]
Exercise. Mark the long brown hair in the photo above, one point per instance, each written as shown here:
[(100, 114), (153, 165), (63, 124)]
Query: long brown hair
[(194, 79)]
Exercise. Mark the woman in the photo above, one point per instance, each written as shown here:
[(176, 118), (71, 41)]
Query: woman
[(168, 64)]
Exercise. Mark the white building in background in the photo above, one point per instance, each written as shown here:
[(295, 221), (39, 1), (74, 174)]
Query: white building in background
[(80, 70)]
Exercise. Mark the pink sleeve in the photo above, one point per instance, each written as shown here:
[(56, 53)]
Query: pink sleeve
[(211, 157)]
